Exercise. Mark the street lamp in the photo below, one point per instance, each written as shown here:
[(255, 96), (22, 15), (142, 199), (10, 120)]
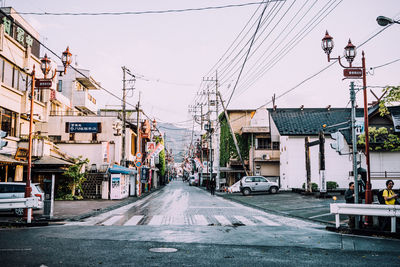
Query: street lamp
[(384, 21), (352, 72), (66, 59), (45, 65)]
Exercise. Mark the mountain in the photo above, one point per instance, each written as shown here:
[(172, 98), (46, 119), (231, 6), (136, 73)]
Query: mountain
[(177, 139)]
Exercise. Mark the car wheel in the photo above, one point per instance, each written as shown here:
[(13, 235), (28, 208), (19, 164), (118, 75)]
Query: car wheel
[(246, 191), (273, 190), (19, 212)]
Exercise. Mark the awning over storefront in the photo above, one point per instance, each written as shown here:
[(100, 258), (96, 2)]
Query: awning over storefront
[(6, 159), (120, 169), (50, 164)]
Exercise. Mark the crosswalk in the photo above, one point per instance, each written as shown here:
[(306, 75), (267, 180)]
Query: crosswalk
[(210, 220)]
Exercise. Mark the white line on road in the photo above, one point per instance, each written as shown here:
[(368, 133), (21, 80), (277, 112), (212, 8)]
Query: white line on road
[(178, 220), (222, 220), (320, 215), (134, 220), (266, 221), (244, 220), (200, 220), (15, 249), (156, 220), (112, 220)]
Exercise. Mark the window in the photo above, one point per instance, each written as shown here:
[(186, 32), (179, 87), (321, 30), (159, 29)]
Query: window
[(8, 74), (94, 136), (22, 81), (275, 145), (264, 143), (55, 138), (8, 120), (59, 86), (71, 136)]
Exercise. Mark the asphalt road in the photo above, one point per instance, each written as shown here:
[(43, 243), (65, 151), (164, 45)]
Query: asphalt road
[(191, 228)]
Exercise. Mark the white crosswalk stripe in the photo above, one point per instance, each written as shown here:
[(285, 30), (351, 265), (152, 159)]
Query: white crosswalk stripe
[(134, 220), (222, 220), (200, 220), (112, 220), (266, 221), (245, 221), (156, 220)]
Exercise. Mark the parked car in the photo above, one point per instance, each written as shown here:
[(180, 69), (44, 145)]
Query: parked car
[(249, 184), (193, 180), (17, 190)]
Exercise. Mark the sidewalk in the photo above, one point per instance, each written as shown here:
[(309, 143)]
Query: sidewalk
[(69, 210)]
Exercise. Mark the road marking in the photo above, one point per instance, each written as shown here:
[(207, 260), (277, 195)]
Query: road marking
[(266, 221), (178, 220), (222, 220), (320, 215), (245, 221), (134, 220), (156, 220), (200, 220), (112, 220), (15, 249)]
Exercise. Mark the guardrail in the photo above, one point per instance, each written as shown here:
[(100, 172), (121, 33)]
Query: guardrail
[(391, 211), (17, 203)]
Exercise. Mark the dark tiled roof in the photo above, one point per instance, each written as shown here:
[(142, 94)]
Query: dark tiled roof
[(309, 121)]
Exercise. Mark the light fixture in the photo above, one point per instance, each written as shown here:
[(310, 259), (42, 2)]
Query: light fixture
[(327, 43), (66, 59), (384, 21), (45, 65), (350, 52)]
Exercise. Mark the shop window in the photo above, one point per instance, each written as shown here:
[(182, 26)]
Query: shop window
[(8, 121)]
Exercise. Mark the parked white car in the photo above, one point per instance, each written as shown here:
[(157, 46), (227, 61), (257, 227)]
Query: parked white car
[(249, 184), (11, 190)]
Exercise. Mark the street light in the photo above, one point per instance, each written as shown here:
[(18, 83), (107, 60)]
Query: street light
[(66, 59), (354, 73), (384, 21), (45, 67)]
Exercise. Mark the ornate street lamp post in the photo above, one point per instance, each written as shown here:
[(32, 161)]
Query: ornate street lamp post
[(45, 66), (354, 73)]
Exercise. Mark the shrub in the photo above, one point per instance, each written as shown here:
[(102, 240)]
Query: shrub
[(331, 185), (314, 187)]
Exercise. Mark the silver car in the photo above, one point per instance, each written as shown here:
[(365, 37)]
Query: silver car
[(249, 184)]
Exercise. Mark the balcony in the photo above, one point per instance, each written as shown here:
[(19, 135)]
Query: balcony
[(266, 155), (85, 102)]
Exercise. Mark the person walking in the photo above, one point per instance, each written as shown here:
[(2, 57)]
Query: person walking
[(349, 196), (388, 194), (212, 186)]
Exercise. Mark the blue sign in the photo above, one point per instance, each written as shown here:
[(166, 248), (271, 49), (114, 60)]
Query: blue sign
[(83, 127)]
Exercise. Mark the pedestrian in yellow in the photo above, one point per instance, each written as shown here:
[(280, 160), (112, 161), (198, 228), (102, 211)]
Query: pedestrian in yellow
[(388, 194)]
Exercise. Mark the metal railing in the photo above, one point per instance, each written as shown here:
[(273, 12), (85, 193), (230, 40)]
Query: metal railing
[(391, 211), (18, 203), (385, 175)]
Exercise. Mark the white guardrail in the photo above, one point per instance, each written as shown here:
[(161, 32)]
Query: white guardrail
[(16, 203), (391, 211)]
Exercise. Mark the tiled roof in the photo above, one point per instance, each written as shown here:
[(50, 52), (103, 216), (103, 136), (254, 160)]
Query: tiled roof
[(309, 121)]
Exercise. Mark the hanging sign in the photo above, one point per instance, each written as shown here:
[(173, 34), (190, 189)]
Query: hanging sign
[(352, 73)]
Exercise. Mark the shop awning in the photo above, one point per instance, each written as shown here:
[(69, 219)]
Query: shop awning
[(5, 159), (50, 160), (121, 169)]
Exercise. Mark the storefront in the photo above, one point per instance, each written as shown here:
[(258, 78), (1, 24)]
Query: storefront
[(119, 183), (11, 170)]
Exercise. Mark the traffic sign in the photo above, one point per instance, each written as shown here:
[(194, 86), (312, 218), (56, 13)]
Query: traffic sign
[(43, 83), (352, 73), (139, 155), (138, 164)]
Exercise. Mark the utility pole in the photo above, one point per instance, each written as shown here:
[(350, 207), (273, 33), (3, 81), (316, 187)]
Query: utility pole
[(123, 158), (124, 89), (138, 145)]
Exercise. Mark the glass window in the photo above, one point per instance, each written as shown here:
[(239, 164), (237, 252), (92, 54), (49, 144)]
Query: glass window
[(8, 74), (264, 143), (59, 86), (1, 69), (8, 120), (22, 81), (15, 78)]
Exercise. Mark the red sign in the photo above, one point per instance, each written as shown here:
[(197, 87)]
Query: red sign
[(43, 83), (353, 73)]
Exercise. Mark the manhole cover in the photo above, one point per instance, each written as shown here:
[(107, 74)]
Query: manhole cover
[(163, 250)]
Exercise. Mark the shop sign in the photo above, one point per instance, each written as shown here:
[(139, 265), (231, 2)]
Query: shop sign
[(21, 154), (83, 127)]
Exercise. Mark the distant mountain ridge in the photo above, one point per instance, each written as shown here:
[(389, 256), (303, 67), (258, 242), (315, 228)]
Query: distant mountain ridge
[(177, 139)]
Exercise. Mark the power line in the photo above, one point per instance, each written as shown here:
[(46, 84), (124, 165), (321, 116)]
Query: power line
[(139, 12)]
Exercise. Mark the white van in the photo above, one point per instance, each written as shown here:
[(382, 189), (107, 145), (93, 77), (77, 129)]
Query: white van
[(17, 190)]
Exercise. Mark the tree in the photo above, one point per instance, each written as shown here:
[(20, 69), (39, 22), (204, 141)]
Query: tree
[(77, 175), (392, 94)]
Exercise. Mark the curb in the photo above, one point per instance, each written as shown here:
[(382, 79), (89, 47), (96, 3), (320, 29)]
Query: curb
[(363, 232)]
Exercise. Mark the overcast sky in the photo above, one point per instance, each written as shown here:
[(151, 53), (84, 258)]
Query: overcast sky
[(171, 53)]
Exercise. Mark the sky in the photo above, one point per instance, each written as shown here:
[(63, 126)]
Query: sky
[(171, 53)]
